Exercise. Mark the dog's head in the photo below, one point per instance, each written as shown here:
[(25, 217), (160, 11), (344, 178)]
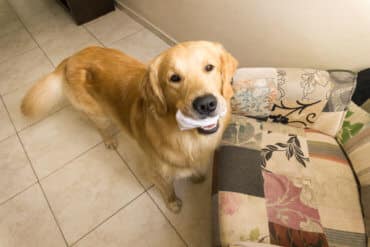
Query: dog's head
[(193, 77)]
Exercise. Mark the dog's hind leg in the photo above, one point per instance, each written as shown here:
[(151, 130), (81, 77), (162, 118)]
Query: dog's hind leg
[(84, 102), (106, 129)]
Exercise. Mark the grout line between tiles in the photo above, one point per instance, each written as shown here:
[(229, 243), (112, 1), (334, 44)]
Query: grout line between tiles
[(110, 43), (146, 190), (42, 119), (19, 139), (93, 35), (20, 54), (129, 168), (29, 32), (22, 86), (121, 38), (52, 213), (150, 187), (17, 53), (127, 36), (18, 193), (7, 137), (35, 174), (70, 161), (168, 220), (106, 219), (12, 30)]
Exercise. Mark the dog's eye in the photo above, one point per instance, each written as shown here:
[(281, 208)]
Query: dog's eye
[(175, 78), (209, 67)]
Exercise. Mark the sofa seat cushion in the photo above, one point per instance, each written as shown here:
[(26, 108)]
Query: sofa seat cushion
[(276, 184)]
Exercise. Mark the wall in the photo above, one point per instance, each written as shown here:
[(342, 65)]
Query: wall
[(318, 33)]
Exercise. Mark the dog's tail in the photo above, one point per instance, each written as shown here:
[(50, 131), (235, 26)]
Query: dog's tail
[(45, 94)]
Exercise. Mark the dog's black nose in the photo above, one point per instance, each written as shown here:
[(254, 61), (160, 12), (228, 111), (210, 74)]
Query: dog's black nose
[(205, 104)]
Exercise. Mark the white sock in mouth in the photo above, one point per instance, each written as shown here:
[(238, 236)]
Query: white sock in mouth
[(209, 127), (186, 123)]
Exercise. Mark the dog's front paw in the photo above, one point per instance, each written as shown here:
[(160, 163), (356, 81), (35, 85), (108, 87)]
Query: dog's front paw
[(111, 143), (175, 205)]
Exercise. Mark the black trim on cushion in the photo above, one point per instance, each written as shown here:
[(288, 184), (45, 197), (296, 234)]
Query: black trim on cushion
[(362, 91)]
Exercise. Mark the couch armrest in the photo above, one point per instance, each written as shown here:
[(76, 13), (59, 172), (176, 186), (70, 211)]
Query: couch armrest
[(355, 140)]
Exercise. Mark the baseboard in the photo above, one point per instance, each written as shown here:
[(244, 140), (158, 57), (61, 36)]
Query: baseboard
[(146, 23)]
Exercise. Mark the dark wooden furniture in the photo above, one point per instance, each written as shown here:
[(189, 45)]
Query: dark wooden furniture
[(86, 10)]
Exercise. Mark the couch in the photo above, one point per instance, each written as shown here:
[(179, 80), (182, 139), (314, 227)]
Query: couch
[(293, 168)]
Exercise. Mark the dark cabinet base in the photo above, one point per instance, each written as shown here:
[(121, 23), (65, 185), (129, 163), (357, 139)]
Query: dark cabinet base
[(83, 11)]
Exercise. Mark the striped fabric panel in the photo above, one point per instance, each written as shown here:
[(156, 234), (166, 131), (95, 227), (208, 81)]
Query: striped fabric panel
[(358, 140), (360, 159), (326, 151), (288, 237), (342, 238), (312, 134), (308, 130)]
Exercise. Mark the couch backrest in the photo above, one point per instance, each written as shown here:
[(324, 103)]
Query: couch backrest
[(304, 98)]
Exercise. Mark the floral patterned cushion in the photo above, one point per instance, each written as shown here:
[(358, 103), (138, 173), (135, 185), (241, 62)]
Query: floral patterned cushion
[(303, 94), (255, 91)]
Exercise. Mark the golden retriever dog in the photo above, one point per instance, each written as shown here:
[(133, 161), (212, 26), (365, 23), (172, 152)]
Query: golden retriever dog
[(115, 90)]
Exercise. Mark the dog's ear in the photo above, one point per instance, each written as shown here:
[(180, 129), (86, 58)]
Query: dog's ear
[(152, 90), (228, 67)]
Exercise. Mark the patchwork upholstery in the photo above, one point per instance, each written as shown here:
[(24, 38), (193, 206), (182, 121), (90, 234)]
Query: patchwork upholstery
[(285, 186), (278, 185)]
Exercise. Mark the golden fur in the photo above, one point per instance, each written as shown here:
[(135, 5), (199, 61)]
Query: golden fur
[(113, 89)]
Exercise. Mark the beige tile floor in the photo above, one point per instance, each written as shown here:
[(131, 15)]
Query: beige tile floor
[(59, 186)]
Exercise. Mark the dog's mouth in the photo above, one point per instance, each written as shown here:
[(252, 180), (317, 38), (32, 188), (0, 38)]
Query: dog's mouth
[(204, 126), (209, 129)]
